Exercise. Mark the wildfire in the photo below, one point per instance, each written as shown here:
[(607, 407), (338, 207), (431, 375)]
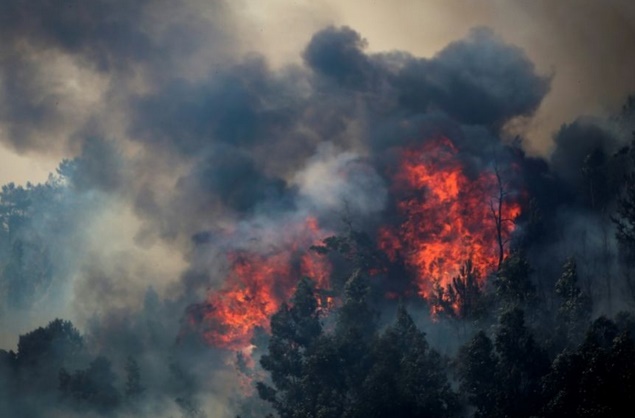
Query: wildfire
[(446, 216), (256, 286)]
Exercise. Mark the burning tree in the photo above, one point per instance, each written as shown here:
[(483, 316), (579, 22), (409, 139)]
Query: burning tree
[(446, 218)]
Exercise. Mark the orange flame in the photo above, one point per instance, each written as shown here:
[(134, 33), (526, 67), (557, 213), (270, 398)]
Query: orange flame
[(257, 284), (448, 217)]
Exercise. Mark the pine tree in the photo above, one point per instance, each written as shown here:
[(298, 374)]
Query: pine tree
[(407, 377), (294, 331), (513, 284), (133, 379), (477, 366), (575, 308)]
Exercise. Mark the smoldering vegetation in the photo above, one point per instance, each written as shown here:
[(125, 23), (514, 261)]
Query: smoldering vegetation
[(180, 151)]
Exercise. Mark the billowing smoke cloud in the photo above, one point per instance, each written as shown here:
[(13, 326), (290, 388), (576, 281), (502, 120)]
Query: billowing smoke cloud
[(181, 151), (479, 80), (344, 181), (62, 64)]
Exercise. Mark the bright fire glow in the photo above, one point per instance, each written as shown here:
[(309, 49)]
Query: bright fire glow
[(446, 216), (257, 285)]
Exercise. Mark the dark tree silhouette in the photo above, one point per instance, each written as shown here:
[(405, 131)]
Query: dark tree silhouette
[(462, 299), (478, 370), (93, 387), (294, 330), (133, 379), (575, 309), (407, 377), (522, 364), (513, 283), (595, 380)]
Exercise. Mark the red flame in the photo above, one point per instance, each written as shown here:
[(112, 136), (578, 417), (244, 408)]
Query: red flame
[(257, 284), (448, 217)]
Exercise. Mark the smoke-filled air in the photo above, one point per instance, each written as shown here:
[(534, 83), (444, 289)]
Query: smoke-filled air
[(317, 209)]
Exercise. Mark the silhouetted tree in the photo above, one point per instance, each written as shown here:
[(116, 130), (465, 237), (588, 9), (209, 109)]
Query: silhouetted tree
[(503, 379), (463, 298), (477, 366), (522, 364), (26, 266), (594, 172), (597, 379), (294, 330), (513, 283), (407, 378), (42, 352), (133, 379), (575, 309), (356, 251), (92, 387), (624, 220)]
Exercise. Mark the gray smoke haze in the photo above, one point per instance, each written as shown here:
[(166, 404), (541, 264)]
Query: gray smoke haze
[(176, 147)]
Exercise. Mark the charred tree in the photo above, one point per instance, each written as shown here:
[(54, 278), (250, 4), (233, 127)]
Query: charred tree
[(498, 214)]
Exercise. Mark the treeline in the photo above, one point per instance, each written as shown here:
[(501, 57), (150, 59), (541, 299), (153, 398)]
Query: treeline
[(530, 343), (518, 358), (529, 346), (54, 373), (52, 366), (507, 368)]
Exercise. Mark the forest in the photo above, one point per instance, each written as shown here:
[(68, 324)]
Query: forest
[(549, 339), (360, 230)]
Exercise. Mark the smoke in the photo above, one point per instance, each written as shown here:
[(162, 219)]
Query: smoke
[(63, 65), (332, 182), (180, 149)]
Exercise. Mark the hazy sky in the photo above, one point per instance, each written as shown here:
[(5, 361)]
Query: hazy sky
[(587, 46)]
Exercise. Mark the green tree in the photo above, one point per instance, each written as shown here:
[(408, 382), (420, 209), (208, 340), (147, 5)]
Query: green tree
[(93, 387), (477, 366), (575, 308), (407, 377), (503, 379), (624, 217), (356, 315), (133, 379), (355, 330), (624, 220), (42, 352), (513, 282), (522, 364), (595, 175), (294, 330), (31, 219), (595, 380)]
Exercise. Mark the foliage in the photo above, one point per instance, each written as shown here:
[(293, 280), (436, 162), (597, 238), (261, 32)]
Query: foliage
[(575, 308), (28, 220), (93, 386), (42, 352), (354, 371), (478, 368), (597, 379), (513, 283), (463, 298), (625, 217), (407, 378), (294, 330), (133, 379), (503, 379)]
